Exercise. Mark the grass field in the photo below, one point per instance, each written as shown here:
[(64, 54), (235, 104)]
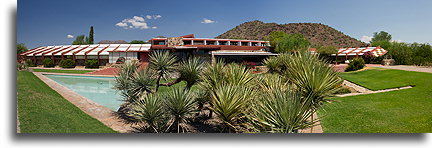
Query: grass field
[(402, 111), (62, 71), (43, 110)]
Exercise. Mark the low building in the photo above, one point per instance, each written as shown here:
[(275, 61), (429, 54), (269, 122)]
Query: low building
[(182, 47), (350, 53)]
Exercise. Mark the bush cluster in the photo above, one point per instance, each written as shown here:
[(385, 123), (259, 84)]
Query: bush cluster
[(48, 62), (30, 63), (355, 64), (67, 63), (408, 54), (91, 64)]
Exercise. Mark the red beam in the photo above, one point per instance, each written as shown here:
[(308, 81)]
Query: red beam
[(62, 54)]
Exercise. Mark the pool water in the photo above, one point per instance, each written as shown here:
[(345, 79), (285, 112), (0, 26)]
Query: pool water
[(97, 89)]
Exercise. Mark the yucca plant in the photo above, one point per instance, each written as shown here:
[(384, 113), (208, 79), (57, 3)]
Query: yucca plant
[(150, 109), (189, 70), (282, 112), (272, 63), (237, 75), (312, 76), (163, 63), (123, 80), (141, 83), (231, 103), (180, 105), (270, 82), (212, 75)]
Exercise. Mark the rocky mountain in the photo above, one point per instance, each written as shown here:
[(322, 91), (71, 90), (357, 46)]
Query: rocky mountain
[(316, 33)]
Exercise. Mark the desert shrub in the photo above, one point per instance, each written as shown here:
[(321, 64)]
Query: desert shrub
[(91, 64), (22, 65), (67, 63), (48, 62), (355, 64), (30, 63)]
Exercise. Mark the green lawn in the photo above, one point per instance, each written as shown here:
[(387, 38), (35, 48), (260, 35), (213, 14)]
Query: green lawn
[(402, 111), (62, 71), (43, 110)]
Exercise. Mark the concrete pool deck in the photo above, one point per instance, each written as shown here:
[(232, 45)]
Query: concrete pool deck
[(99, 112)]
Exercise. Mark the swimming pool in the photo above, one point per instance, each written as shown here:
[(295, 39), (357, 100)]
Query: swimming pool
[(97, 89)]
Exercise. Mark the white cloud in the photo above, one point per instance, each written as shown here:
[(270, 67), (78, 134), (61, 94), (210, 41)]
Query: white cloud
[(366, 39), (69, 36), (153, 16), (157, 16), (136, 22), (154, 27), (207, 21)]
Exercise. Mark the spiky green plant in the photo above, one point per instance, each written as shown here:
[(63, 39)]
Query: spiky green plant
[(141, 83), (163, 63), (237, 75), (282, 112), (272, 64), (189, 70), (123, 80), (180, 105), (151, 110), (212, 75), (270, 82), (312, 76), (231, 103)]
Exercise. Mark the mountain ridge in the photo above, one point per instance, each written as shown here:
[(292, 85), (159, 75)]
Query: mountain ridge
[(318, 34)]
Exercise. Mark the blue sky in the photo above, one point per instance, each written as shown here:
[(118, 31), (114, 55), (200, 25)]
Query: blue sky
[(49, 22)]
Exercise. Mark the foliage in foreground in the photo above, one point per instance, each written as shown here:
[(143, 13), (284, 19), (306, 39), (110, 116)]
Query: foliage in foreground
[(281, 101)]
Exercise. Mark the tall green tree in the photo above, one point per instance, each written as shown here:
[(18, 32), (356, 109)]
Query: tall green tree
[(21, 48), (381, 36), (274, 38), (292, 42), (90, 38), (79, 40)]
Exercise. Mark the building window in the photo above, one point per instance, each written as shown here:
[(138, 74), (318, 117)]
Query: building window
[(244, 44), (187, 42), (198, 42), (211, 42), (254, 44), (158, 42), (233, 43), (223, 43)]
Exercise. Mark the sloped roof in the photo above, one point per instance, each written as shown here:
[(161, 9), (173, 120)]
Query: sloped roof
[(351, 51), (95, 49)]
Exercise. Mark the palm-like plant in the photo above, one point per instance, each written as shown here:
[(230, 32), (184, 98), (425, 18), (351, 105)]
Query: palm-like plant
[(163, 63), (141, 83), (123, 80), (190, 70), (181, 105), (283, 112), (151, 110), (231, 103), (270, 82), (312, 76)]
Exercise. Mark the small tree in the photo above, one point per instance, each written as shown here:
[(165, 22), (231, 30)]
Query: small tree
[(21, 48), (381, 36), (90, 38), (355, 64), (79, 40), (138, 42), (67, 63), (91, 64), (325, 52), (48, 62)]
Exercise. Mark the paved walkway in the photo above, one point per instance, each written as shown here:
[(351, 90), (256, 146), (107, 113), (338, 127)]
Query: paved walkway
[(407, 68), (99, 112), (107, 71)]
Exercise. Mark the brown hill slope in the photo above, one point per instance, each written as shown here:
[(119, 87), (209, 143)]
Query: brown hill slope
[(317, 34)]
